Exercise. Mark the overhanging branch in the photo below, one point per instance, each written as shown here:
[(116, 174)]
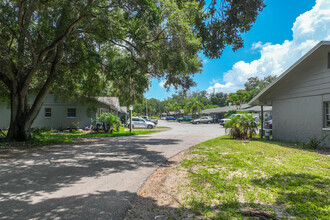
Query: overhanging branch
[(5, 79), (59, 40)]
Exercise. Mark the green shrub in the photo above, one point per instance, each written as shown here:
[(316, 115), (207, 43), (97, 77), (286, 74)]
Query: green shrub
[(315, 143), (229, 113), (74, 126), (108, 120), (39, 130)]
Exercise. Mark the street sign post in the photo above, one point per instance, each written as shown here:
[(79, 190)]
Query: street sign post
[(130, 118)]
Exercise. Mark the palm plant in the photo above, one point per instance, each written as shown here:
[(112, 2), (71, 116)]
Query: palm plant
[(185, 110), (176, 107), (234, 127), (195, 106), (249, 125), (242, 126)]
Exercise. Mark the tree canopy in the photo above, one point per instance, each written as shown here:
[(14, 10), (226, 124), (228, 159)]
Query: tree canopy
[(254, 85), (195, 106), (239, 97), (100, 47)]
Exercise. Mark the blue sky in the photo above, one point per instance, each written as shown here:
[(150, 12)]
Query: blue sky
[(283, 32)]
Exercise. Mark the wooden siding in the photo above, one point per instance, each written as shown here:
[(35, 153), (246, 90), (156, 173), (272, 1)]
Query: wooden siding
[(59, 117), (296, 120), (310, 78)]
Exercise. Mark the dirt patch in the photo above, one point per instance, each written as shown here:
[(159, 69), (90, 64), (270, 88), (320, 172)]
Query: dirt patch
[(159, 197)]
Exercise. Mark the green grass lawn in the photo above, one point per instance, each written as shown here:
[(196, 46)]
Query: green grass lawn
[(48, 138), (230, 179), (162, 127)]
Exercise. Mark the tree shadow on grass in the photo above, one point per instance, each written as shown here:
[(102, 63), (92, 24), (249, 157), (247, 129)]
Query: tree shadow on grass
[(47, 174), (304, 195)]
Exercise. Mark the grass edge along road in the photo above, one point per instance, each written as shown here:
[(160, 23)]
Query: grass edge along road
[(231, 179), (50, 137)]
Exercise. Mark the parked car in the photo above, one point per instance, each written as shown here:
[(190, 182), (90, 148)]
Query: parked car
[(223, 121), (155, 121), (185, 119), (140, 123), (204, 119), (169, 118), (268, 124), (163, 118)]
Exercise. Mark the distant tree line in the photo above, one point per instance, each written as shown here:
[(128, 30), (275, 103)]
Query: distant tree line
[(194, 102)]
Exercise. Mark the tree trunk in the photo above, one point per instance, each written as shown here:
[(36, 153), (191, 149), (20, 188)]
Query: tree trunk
[(18, 132), (18, 129), (22, 116)]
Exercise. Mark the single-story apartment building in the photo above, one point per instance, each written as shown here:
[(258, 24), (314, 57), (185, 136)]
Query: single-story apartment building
[(62, 114), (300, 98), (177, 114), (219, 113), (256, 109)]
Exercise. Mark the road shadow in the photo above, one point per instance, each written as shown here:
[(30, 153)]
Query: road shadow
[(102, 205), (48, 170)]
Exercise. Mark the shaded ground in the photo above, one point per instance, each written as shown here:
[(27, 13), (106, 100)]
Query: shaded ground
[(91, 180)]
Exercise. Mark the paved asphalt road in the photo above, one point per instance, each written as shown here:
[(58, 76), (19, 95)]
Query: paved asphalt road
[(93, 180)]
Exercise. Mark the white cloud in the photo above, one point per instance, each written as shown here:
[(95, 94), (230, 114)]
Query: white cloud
[(223, 88), (205, 61), (214, 81), (308, 29), (259, 44), (162, 83)]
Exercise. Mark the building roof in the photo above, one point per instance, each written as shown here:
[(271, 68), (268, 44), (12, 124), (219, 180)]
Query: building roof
[(177, 112), (113, 102), (123, 109), (257, 108), (257, 99), (225, 109), (244, 107)]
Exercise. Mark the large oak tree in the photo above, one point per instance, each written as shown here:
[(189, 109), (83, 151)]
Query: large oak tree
[(92, 47)]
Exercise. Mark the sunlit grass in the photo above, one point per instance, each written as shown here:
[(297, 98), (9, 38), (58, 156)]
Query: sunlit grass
[(229, 177), (162, 127)]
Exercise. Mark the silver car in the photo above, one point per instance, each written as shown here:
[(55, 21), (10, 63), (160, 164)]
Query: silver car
[(204, 119), (141, 123)]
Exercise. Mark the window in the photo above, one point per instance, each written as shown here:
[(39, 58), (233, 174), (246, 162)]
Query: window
[(327, 114), (71, 113), (48, 112)]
